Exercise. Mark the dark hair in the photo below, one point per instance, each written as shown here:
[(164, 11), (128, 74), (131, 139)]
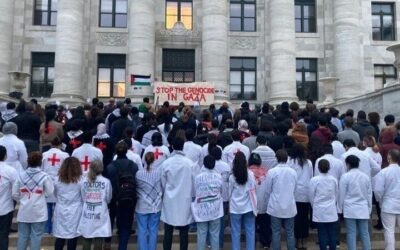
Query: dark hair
[(35, 159), (212, 140), (146, 100), (255, 159), (350, 112), (334, 112), (361, 115), (156, 139), (3, 153), (322, 120), (49, 115), (216, 152), (389, 119), (177, 143), (70, 171), (235, 135), (121, 149), (352, 161), (395, 155), (56, 141), (261, 139), (374, 118), (323, 166), (95, 101), (129, 132), (209, 162), (134, 111), (10, 105), (149, 159), (298, 152), (348, 122), (124, 112), (189, 134), (349, 143), (254, 130), (86, 137), (327, 148), (128, 101), (281, 156), (239, 169), (214, 123)]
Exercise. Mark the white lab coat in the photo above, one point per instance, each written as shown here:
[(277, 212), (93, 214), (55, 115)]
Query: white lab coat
[(267, 156), (281, 185), (193, 152), (336, 167), (8, 176), (229, 152), (177, 184), (137, 148), (51, 163), (387, 189), (338, 149), (95, 220), (225, 171), (204, 152), (163, 154), (323, 195), (367, 164), (304, 175), (68, 210), (87, 153), (240, 200), (377, 157), (133, 157), (355, 195), (17, 155), (30, 189)]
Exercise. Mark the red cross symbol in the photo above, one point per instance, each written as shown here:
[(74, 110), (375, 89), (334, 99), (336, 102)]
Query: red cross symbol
[(74, 143), (85, 164), (54, 160), (157, 154), (237, 151), (101, 146), (48, 130)]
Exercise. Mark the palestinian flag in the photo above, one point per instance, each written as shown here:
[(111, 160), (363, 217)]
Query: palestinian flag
[(140, 80)]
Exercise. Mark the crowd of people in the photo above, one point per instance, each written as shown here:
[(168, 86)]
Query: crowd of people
[(78, 173)]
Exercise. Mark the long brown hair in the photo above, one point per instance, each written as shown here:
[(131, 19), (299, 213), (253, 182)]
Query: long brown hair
[(96, 168), (149, 159), (370, 142), (70, 171)]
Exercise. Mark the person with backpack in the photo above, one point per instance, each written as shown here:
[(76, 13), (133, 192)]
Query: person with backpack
[(121, 173)]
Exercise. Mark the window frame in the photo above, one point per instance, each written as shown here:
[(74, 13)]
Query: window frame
[(303, 72), (49, 12), (179, 70), (302, 4), (111, 66), (242, 71), (242, 17), (383, 76), (179, 14), (381, 15), (113, 14), (42, 64)]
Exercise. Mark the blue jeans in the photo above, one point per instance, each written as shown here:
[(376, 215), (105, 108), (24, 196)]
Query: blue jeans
[(249, 221), (49, 223), (32, 232), (276, 226), (211, 228), (354, 227), (327, 235), (147, 226)]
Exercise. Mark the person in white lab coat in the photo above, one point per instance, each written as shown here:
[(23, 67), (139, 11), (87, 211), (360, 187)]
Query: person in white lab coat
[(87, 153), (304, 169), (367, 164), (161, 152), (323, 194), (242, 203), (267, 154), (8, 176), (31, 189), (68, 210), (387, 189), (192, 150), (52, 160), (229, 152), (281, 185), (16, 151), (177, 184), (212, 140), (95, 223), (336, 166), (355, 203)]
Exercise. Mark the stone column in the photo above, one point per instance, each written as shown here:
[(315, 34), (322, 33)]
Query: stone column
[(282, 51), (141, 42), (215, 46), (347, 42), (396, 51), (6, 27), (69, 52)]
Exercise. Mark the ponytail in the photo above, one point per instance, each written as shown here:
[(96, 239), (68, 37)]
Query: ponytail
[(149, 159), (96, 168)]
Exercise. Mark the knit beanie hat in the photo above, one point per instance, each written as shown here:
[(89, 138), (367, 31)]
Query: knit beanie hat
[(10, 128)]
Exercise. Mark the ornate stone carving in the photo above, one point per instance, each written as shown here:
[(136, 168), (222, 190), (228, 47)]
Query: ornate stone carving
[(179, 30), (112, 39), (243, 43)]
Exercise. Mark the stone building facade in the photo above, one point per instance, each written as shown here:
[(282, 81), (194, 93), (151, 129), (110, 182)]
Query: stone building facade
[(255, 50)]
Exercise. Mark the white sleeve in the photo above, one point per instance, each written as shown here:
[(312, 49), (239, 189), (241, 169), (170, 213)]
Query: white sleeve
[(379, 188), (342, 194)]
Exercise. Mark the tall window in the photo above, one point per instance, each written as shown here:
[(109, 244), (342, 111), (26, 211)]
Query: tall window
[(111, 75), (383, 28), (45, 13), (305, 16), (113, 13), (243, 15), (306, 78), (179, 11), (178, 65), (384, 73), (42, 80), (243, 72)]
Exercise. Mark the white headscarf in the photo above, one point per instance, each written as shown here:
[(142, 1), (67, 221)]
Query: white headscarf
[(101, 132)]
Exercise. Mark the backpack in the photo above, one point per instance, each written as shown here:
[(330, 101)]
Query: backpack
[(125, 185)]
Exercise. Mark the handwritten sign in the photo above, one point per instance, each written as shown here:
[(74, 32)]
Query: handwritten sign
[(188, 93)]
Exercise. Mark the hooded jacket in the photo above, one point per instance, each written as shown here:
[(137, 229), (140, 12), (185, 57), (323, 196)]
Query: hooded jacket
[(324, 134)]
